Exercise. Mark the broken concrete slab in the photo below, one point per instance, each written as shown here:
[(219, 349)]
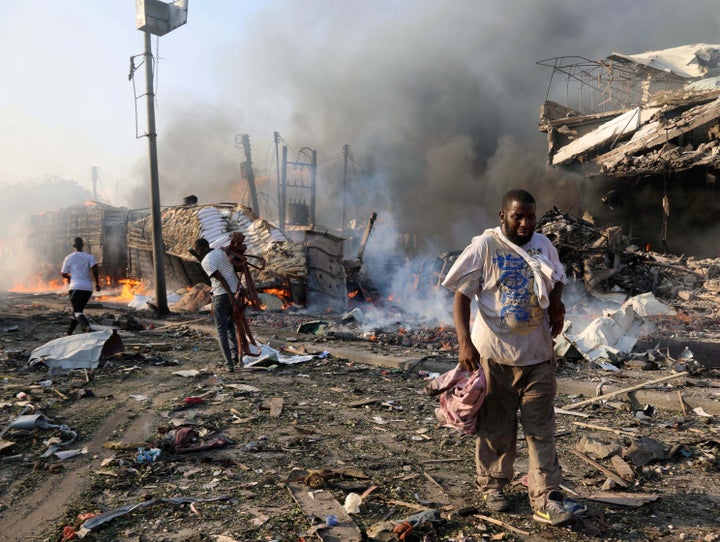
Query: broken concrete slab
[(633, 500)]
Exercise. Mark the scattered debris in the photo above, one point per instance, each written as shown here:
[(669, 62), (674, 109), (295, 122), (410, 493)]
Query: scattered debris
[(83, 351)]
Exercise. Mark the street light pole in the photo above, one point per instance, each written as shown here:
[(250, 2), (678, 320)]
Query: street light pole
[(154, 17), (158, 249)]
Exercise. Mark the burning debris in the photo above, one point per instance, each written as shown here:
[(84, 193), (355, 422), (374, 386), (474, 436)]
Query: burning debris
[(605, 260), (121, 241), (285, 259)]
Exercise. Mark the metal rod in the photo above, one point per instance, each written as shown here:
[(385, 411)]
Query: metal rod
[(313, 187), (346, 154), (283, 189)]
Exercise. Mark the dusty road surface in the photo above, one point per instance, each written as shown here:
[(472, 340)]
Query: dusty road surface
[(286, 444)]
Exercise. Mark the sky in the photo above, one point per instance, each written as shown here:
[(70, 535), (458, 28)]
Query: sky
[(438, 101)]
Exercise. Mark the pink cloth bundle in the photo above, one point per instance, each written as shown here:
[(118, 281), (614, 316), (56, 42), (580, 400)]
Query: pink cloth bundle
[(461, 396)]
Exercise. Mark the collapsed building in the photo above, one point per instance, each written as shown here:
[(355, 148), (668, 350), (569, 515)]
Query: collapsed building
[(642, 130)]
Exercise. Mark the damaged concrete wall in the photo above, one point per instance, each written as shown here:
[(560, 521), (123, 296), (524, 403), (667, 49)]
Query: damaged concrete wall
[(102, 227)]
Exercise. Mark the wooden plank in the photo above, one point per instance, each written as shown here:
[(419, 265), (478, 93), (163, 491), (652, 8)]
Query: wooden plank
[(321, 503), (502, 524), (623, 468), (610, 474), (624, 390)]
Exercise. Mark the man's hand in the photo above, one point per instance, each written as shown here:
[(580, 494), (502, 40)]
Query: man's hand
[(556, 312), (468, 357)]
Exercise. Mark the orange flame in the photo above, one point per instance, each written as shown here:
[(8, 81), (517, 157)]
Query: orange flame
[(37, 285), (284, 296), (129, 289)]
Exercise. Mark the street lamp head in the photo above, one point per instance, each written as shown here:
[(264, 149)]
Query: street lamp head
[(159, 18)]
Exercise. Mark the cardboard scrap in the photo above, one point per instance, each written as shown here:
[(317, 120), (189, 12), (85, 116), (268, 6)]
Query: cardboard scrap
[(274, 405), (623, 468)]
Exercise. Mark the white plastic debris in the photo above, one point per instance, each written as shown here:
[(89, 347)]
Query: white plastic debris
[(352, 503)]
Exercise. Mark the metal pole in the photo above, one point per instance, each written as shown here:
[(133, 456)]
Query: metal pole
[(313, 187), (94, 181), (283, 189), (346, 154), (277, 166), (250, 174), (158, 251)]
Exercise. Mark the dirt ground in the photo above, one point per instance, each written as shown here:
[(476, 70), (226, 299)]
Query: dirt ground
[(293, 441)]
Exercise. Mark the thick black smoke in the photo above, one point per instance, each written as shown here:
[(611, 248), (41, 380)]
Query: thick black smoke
[(438, 101)]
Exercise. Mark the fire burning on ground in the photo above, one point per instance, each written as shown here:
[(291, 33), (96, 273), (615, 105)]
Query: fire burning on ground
[(36, 285), (129, 288), (122, 291), (284, 295)]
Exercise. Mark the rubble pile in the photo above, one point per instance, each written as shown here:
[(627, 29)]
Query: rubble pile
[(182, 225), (666, 116), (330, 438), (604, 259), (643, 131)]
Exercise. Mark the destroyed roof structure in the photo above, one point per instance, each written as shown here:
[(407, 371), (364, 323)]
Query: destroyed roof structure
[(628, 107), (640, 126)]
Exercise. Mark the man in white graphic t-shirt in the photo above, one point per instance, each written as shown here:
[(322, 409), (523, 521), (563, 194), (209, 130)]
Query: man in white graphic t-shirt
[(515, 278)]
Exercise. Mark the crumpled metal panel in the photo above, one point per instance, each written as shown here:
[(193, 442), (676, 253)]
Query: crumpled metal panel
[(326, 280)]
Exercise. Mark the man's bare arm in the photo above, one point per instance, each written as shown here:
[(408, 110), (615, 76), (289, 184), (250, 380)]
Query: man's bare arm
[(468, 356), (556, 309)]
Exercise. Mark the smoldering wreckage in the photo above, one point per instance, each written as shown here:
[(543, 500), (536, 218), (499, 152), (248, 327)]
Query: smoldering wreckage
[(261, 457)]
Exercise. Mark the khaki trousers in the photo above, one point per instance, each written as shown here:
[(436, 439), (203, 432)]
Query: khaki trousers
[(531, 390)]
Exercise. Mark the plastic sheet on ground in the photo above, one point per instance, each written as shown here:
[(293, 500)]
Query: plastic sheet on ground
[(83, 351), (618, 330), (268, 355)]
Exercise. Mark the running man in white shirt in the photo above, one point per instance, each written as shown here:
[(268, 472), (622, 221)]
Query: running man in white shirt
[(79, 268)]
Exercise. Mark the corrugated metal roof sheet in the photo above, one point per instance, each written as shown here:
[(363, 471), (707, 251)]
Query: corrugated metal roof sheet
[(689, 61)]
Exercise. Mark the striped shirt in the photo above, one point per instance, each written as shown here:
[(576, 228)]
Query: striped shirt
[(217, 260)]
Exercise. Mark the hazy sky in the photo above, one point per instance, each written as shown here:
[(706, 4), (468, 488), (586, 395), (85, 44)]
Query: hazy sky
[(434, 98)]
